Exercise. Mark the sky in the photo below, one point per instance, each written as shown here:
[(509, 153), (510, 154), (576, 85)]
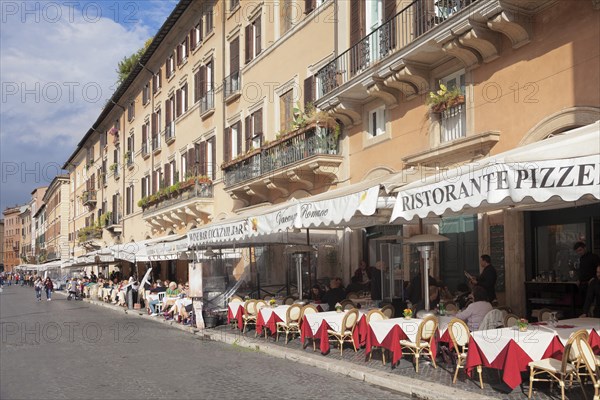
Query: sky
[(58, 62)]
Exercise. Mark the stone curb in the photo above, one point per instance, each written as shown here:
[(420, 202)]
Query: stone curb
[(409, 386)]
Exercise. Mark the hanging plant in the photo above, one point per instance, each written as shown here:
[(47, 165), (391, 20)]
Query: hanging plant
[(444, 98)]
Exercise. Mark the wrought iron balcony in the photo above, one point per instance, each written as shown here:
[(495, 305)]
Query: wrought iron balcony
[(399, 31), (170, 132), (295, 147), (232, 85), (88, 198), (207, 103), (180, 196)]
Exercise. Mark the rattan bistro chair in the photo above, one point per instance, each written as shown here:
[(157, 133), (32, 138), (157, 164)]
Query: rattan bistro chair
[(460, 334), (589, 360), (250, 314), (558, 370), (347, 304), (510, 320), (291, 323), (388, 310), (423, 342), (345, 333)]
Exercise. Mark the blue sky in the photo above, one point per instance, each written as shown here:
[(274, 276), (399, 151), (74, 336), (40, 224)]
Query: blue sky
[(58, 63)]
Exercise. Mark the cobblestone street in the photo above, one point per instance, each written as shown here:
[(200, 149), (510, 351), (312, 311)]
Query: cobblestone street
[(70, 350)]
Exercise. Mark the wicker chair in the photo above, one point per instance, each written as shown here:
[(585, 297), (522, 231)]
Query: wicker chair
[(250, 314), (292, 322), (388, 310), (345, 333), (352, 295), (376, 315), (558, 370), (544, 314), (423, 342), (289, 300), (234, 299), (347, 304), (510, 320), (459, 334), (451, 308), (591, 363)]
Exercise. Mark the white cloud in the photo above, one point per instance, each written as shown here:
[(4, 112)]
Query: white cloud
[(56, 76)]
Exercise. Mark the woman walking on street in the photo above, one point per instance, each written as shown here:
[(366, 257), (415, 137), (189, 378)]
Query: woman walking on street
[(49, 286), (38, 289)]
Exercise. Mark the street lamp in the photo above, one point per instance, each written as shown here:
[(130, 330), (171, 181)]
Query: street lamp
[(425, 246)]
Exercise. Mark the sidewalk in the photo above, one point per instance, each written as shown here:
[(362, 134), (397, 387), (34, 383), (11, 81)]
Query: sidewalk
[(429, 383)]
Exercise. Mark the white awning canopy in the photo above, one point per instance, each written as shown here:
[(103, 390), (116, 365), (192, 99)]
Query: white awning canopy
[(341, 207), (560, 171)]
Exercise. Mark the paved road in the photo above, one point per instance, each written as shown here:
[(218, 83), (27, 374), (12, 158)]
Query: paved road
[(72, 350)]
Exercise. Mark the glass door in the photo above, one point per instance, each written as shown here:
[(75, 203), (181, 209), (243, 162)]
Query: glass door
[(391, 272)]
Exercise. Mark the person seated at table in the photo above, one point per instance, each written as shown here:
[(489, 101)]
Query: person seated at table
[(434, 299), (415, 288), (362, 277), (158, 288), (316, 294), (335, 294), (593, 292), (462, 296), (172, 291), (474, 313)]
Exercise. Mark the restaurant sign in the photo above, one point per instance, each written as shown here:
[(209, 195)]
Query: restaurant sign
[(218, 233), (472, 185)]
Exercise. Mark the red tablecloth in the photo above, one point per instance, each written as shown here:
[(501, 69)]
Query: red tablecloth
[(321, 335), (238, 317), (512, 360), (392, 342), (271, 324)]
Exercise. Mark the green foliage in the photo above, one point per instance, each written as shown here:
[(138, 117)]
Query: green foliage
[(443, 95), (127, 64)]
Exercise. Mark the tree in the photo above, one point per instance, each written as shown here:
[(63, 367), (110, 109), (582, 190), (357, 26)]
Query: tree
[(127, 64)]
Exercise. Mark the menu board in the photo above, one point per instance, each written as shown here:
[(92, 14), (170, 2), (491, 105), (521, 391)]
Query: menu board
[(497, 253)]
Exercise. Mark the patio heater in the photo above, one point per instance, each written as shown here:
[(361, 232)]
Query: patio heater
[(425, 244), (298, 258)]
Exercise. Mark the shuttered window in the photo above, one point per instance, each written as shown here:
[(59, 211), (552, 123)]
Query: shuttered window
[(286, 111)]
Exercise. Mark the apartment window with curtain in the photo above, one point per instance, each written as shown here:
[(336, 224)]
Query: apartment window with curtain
[(183, 51), (196, 35), (254, 130), (156, 81), (253, 39), (184, 166), (233, 142), (232, 82), (377, 122), (145, 187), (129, 200), (170, 66), (182, 100), (169, 117), (211, 156), (286, 111), (453, 119)]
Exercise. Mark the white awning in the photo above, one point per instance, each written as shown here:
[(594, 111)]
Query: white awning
[(341, 207), (560, 171), (171, 250)]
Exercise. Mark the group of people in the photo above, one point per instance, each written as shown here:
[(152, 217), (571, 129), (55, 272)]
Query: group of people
[(46, 285), (177, 305)]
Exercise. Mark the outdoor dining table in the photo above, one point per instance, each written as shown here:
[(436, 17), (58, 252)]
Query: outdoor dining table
[(387, 333), (235, 310), (511, 350), (316, 325), (268, 317)]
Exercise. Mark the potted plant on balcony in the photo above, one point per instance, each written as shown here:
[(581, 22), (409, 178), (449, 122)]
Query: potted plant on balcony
[(444, 98)]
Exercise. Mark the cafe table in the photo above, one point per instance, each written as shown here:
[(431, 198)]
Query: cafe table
[(315, 326), (387, 333), (235, 310), (269, 316)]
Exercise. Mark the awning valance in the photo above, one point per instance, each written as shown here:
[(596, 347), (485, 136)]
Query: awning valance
[(561, 169)]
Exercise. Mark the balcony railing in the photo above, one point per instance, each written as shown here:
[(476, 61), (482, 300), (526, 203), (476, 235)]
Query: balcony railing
[(88, 197), (155, 144), (305, 143), (402, 29), (170, 132), (129, 159), (207, 102), (453, 123), (145, 151), (232, 84), (195, 191)]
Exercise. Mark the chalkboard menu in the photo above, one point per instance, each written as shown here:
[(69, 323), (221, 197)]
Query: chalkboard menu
[(497, 253)]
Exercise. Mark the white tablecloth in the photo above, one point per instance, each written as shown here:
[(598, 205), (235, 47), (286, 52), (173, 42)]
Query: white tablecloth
[(234, 307), (333, 318), (280, 311), (563, 329), (534, 342)]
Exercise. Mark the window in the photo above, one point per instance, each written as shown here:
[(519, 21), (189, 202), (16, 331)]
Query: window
[(377, 122), (146, 94), (145, 130), (233, 4), (130, 149), (211, 156), (130, 111), (156, 130), (184, 168), (285, 13), (182, 51), (453, 119), (145, 186), (169, 116), (209, 19), (170, 66), (253, 39), (116, 210), (232, 82), (286, 111), (129, 200), (156, 81), (170, 174), (253, 130), (233, 142), (311, 5), (196, 35), (182, 100)]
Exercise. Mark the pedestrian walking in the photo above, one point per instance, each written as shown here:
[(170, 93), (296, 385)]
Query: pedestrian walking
[(49, 286), (38, 289)]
